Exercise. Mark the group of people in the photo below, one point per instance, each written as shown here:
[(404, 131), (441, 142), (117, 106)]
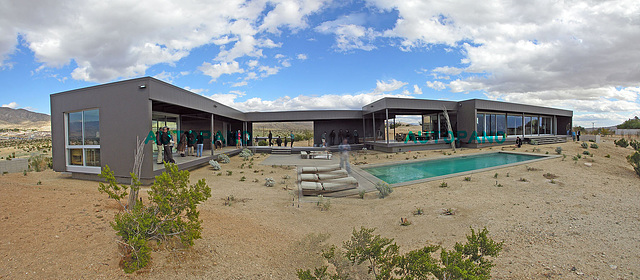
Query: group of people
[(279, 140), (339, 137), (575, 135), (190, 143)]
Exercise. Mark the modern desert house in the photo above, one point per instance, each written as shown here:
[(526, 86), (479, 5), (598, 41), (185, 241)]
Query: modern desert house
[(97, 126)]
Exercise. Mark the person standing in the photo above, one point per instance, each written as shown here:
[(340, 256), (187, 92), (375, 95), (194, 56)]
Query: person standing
[(293, 138), (239, 139), (340, 136), (270, 138), (347, 135), (355, 137), (182, 144), (279, 141), (573, 135), (344, 149), (191, 141), (166, 145), (199, 144), (160, 155), (332, 137), (324, 139), (578, 135)]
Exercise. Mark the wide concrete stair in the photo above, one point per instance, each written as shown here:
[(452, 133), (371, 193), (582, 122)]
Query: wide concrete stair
[(543, 140), (280, 151)]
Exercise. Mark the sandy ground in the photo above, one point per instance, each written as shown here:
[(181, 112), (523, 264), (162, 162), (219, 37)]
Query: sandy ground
[(584, 225)]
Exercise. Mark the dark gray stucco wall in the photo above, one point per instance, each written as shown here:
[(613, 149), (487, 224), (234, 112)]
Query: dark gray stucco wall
[(125, 112), (466, 120)]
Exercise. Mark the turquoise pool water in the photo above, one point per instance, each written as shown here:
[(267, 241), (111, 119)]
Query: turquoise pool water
[(405, 172)]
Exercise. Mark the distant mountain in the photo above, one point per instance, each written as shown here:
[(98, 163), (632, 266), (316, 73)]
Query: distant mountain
[(10, 116)]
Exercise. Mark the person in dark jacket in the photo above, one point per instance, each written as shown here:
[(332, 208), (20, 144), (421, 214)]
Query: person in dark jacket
[(355, 137), (199, 144), (279, 141), (518, 142), (166, 145), (332, 137), (347, 135), (270, 138), (578, 135), (191, 141), (160, 154), (182, 144), (340, 136)]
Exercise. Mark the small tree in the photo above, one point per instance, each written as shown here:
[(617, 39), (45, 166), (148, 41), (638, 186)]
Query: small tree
[(171, 213), (634, 160)]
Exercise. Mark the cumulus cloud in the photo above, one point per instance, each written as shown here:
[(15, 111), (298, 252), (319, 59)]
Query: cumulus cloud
[(301, 56), (391, 85), (107, 46), (216, 70), (11, 105), (437, 85), (197, 90), (350, 34), (572, 54), (321, 102)]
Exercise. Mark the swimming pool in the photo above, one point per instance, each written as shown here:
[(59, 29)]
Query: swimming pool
[(402, 173)]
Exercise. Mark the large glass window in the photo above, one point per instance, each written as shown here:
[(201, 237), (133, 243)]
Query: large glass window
[(501, 124), (535, 125), (83, 138), (527, 125), (480, 124), (74, 128), (514, 124), (546, 125)]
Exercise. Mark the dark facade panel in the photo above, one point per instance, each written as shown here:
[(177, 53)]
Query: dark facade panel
[(409, 104), (125, 112), (168, 93), (489, 105)]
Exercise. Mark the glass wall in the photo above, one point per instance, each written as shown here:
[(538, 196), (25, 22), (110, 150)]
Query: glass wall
[(514, 125), (83, 138), (159, 120)]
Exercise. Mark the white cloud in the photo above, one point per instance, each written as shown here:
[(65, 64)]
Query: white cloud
[(301, 56), (268, 71), (240, 84), (437, 85), (391, 85), (107, 46), (11, 105), (216, 70), (252, 64), (350, 34), (304, 102)]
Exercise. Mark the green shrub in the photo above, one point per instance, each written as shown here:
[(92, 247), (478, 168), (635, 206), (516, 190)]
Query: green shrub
[(269, 182), (384, 189), (584, 145), (470, 260), (262, 143), (559, 150), (171, 213), (586, 153), (635, 145), (593, 146), (444, 184), (634, 160), (361, 194), (467, 178), (621, 143), (608, 156)]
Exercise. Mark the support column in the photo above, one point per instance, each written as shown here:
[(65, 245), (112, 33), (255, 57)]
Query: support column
[(213, 135), (386, 111), (375, 135), (364, 130)]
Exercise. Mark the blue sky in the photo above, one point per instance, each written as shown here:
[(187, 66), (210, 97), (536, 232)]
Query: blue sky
[(323, 54)]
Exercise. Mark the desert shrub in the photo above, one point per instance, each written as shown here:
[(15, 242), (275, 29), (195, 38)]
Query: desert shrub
[(37, 163), (223, 158), (634, 160), (246, 153), (323, 203), (214, 164), (470, 260), (635, 145), (171, 213), (608, 156), (584, 145), (586, 153), (467, 178), (559, 150), (593, 146), (384, 189), (418, 211), (262, 143), (621, 143), (361, 194), (444, 184), (269, 182)]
